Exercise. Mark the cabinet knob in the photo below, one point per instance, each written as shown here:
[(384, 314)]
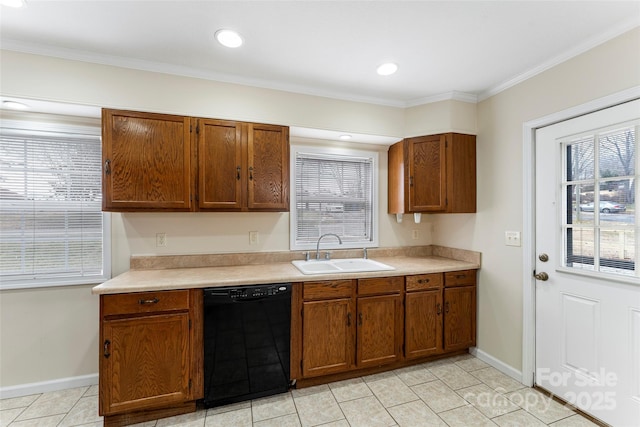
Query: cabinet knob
[(251, 173), (410, 181), (360, 318), (446, 307), (107, 349), (107, 167), (438, 309), (238, 173)]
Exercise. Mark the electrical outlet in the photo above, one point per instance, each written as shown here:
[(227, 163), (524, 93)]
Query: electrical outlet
[(161, 240), (253, 237), (414, 234), (512, 238)]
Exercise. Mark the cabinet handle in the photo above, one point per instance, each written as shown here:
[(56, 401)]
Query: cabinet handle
[(238, 173), (148, 301), (446, 307), (107, 351), (410, 181), (460, 276), (423, 281), (438, 309), (250, 173), (107, 167), (360, 318), (348, 319)]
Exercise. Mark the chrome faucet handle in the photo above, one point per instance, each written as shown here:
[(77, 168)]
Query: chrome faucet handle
[(327, 255), (364, 250), (306, 255)]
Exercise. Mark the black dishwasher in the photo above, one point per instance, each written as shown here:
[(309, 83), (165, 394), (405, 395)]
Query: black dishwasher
[(246, 342)]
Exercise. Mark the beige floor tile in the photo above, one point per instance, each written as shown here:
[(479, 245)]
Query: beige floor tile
[(272, 407), (438, 396), (84, 412), (53, 403), (472, 364), (537, 404), (497, 380), (299, 392), (415, 414), (366, 412), (8, 415), (193, 419), (318, 408), (237, 418), (454, 376), (520, 418), (466, 416), (414, 375), (391, 391), (339, 423), (145, 424), (18, 402), (50, 421), (574, 421), (286, 421), (487, 401), (93, 391), (350, 389), (227, 408)]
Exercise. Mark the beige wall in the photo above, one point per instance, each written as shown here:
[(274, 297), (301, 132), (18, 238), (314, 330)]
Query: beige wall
[(49, 334), (606, 69)]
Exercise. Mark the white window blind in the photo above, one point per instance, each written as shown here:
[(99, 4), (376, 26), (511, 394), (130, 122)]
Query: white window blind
[(51, 223), (334, 193)]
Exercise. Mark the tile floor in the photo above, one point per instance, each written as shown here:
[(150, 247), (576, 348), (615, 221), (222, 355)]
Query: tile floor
[(459, 391)]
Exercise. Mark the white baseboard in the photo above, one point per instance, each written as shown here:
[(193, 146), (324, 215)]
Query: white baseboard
[(46, 386), (496, 363)]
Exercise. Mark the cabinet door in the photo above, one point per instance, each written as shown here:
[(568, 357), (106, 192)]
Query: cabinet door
[(459, 317), (147, 161), (380, 324), (427, 173), (328, 336), (461, 172), (423, 323), (145, 362), (268, 167), (220, 168)]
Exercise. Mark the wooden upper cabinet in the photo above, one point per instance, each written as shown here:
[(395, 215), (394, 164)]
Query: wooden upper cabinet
[(434, 173), (268, 167), (220, 163), (161, 162), (147, 161), (242, 166)]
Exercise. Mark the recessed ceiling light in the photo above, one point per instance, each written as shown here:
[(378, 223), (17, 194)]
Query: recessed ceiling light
[(387, 69), (13, 3), (228, 38), (345, 137), (14, 105)]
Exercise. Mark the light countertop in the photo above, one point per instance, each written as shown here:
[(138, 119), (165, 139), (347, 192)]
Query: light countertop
[(141, 280)]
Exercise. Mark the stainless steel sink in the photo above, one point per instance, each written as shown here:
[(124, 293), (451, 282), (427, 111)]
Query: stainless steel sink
[(344, 265)]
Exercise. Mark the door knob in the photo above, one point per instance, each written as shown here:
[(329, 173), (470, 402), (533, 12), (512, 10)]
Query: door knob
[(543, 257), (541, 276)]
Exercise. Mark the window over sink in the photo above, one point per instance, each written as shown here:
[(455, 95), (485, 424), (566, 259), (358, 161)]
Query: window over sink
[(334, 191)]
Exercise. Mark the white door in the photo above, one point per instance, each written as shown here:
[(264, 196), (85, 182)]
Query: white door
[(588, 285)]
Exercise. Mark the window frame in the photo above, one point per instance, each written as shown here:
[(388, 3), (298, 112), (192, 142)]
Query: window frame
[(35, 122), (332, 243)]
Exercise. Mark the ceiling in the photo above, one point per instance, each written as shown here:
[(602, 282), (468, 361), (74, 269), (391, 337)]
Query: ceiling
[(444, 49)]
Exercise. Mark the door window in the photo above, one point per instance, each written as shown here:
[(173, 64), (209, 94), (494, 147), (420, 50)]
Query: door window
[(599, 200)]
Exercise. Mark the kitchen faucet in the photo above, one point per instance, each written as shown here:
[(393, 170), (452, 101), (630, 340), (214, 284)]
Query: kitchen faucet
[(320, 238)]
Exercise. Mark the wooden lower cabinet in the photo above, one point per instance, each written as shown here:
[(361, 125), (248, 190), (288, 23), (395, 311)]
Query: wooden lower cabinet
[(459, 318), (344, 328), (328, 334), (423, 323), (150, 355)]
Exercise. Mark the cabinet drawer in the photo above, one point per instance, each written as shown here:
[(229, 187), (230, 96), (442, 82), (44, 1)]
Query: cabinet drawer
[(145, 302), (327, 290), (460, 278), (380, 285), (424, 281)]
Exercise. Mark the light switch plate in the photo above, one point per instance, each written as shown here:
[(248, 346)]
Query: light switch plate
[(253, 237), (512, 238)]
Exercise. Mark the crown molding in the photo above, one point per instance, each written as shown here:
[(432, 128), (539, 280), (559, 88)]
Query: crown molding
[(447, 96), (563, 57)]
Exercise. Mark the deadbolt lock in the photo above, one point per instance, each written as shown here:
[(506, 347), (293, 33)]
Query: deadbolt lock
[(543, 257)]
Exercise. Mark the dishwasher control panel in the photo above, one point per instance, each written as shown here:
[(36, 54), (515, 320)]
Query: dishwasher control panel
[(248, 292)]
